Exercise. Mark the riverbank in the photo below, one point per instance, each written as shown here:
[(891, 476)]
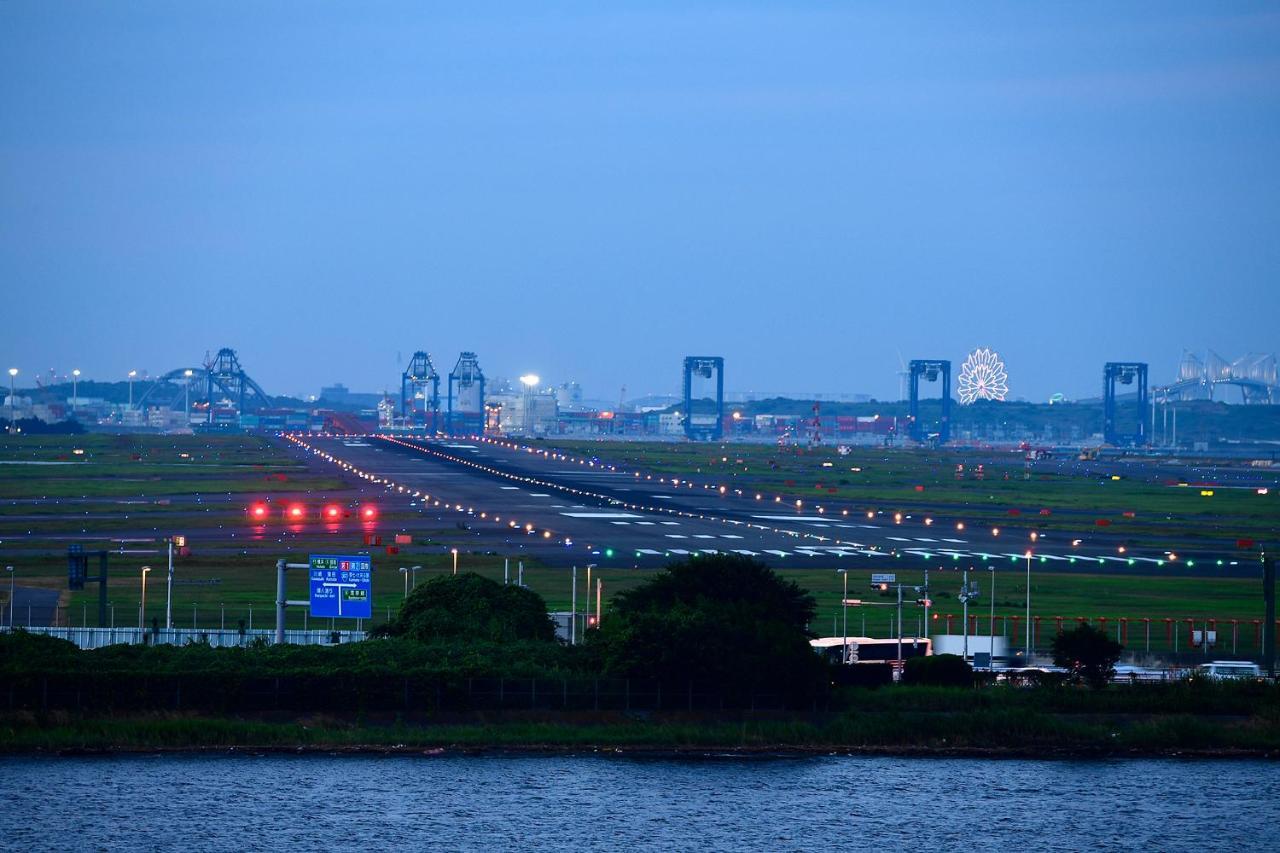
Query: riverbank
[(991, 733)]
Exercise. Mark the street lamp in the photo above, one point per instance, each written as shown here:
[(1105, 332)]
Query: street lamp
[(413, 584), (991, 625), (1028, 555), (9, 569), (405, 572), (180, 541), (75, 396), (142, 611), (844, 616), (186, 417), (132, 373), (13, 372), (454, 552)]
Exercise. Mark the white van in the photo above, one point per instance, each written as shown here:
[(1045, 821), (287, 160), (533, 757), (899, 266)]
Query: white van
[(1224, 669)]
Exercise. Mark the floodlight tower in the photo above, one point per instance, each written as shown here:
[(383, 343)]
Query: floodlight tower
[(466, 374), (420, 375), (930, 369), (1125, 373), (703, 366)]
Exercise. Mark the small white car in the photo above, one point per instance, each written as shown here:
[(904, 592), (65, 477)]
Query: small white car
[(1226, 669)]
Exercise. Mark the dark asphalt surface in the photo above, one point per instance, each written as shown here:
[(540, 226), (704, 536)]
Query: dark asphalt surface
[(32, 606), (580, 512)]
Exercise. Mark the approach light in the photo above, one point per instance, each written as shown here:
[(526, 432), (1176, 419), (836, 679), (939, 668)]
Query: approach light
[(368, 512), (297, 512), (332, 512), (258, 511)]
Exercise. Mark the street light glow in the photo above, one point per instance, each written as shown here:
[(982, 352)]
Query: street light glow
[(530, 379)]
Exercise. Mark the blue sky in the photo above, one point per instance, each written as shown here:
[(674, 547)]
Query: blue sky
[(592, 191)]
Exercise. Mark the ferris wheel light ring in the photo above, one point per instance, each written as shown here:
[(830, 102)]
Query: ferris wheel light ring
[(982, 377)]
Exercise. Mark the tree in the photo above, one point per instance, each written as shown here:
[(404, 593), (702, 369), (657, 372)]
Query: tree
[(938, 671), (474, 609), (723, 621), (1087, 654)]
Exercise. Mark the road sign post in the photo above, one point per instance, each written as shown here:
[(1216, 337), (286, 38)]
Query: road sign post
[(341, 586)]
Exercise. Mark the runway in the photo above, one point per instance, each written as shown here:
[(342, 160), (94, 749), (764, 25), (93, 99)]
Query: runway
[(513, 500)]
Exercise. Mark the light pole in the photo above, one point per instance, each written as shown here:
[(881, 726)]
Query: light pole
[(405, 572), (132, 373), (413, 584), (844, 613), (586, 603), (991, 624), (454, 551), (75, 395), (9, 569), (142, 610), (13, 373), (573, 607), (1028, 658), (186, 413), (180, 541)]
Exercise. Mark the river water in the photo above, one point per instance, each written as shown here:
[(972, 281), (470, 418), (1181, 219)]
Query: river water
[(315, 802)]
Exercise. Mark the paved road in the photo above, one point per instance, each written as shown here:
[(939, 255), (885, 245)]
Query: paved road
[(580, 510), (32, 605)]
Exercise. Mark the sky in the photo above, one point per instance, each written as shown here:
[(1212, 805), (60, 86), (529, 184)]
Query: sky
[(592, 191)]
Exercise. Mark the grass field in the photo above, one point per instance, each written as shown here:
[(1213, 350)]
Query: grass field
[(148, 487)]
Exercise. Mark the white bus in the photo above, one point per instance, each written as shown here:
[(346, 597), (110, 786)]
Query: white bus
[(871, 649)]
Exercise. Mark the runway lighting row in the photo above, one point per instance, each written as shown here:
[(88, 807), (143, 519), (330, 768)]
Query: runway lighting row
[(552, 455), (609, 499), (368, 512), (260, 511)]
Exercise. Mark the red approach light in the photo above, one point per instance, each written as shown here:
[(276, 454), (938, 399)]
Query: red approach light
[(297, 512), (332, 512), (368, 512), (258, 512)]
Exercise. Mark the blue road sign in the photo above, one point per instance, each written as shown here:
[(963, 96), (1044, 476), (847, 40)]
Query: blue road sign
[(341, 586)]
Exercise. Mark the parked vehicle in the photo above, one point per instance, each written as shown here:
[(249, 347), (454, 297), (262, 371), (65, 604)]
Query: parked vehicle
[(1222, 670)]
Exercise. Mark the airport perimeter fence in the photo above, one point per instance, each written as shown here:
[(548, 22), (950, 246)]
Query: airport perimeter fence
[(223, 693), (98, 638), (207, 618)]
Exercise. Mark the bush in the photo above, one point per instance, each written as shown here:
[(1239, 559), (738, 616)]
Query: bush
[(471, 609), (938, 671), (1087, 654), (723, 621)]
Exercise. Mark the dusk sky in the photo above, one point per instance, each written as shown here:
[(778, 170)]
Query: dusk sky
[(593, 191)]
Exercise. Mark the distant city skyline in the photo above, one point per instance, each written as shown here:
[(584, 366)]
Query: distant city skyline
[(592, 193)]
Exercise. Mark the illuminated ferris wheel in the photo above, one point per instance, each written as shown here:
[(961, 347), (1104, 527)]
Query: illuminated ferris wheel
[(982, 377)]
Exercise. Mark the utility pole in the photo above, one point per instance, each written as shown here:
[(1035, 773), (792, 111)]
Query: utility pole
[(573, 608)]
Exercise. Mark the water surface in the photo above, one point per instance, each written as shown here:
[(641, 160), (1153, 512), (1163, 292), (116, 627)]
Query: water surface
[(574, 802)]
